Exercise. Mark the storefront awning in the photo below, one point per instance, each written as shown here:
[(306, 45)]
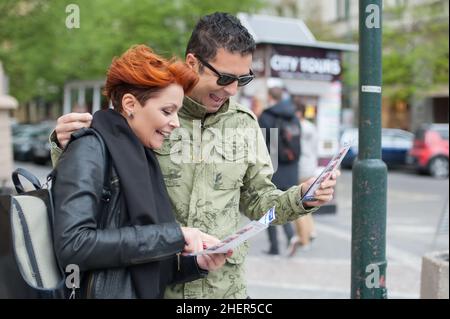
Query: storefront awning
[(286, 31)]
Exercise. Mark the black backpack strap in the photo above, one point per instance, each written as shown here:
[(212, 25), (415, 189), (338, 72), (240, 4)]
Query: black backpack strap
[(28, 244), (28, 176)]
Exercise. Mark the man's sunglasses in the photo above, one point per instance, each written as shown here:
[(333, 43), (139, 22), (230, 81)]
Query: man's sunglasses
[(225, 78)]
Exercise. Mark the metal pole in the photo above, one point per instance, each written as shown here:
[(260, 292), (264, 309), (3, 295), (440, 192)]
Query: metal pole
[(67, 107), (368, 270), (96, 99)]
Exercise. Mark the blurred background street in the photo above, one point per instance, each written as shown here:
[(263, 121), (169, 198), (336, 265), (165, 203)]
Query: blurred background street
[(415, 204), (54, 56)]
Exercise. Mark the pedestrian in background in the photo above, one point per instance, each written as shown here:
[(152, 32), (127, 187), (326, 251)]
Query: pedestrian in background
[(281, 116), (307, 168)]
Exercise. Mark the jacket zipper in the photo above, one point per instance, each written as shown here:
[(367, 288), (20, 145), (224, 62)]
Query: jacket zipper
[(179, 261)]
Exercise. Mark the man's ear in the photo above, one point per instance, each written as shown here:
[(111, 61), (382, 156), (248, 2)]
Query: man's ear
[(128, 104), (191, 60)]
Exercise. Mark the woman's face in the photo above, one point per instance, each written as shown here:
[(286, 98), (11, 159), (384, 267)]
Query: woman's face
[(154, 121)]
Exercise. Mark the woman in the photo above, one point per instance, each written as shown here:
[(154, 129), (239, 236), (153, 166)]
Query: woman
[(124, 236), (308, 165)]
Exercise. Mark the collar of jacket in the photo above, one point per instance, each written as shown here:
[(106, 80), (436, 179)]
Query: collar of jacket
[(194, 110)]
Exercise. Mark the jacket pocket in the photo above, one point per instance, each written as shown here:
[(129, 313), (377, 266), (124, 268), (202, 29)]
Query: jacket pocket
[(113, 283), (229, 168), (226, 176)]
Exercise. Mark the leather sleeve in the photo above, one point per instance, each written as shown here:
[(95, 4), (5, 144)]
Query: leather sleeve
[(186, 269), (77, 192)]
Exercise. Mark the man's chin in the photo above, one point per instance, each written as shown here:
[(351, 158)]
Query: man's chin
[(212, 108)]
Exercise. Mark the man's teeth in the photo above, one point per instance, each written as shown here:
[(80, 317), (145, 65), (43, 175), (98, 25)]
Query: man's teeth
[(165, 134), (215, 98)]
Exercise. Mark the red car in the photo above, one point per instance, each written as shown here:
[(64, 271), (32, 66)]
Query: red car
[(429, 153)]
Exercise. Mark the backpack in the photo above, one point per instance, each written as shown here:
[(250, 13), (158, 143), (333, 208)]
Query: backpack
[(289, 131), (29, 267)]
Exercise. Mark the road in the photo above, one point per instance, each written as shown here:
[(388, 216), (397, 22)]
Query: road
[(414, 205)]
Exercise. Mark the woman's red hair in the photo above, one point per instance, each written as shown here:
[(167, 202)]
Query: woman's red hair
[(141, 72)]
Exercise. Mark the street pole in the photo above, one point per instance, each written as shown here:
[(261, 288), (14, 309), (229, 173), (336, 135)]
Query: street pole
[(368, 270)]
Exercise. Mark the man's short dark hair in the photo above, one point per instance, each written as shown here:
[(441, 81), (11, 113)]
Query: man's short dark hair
[(276, 93), (220, 30)]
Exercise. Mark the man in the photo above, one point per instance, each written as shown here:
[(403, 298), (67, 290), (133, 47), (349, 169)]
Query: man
[(205, 193), (281, 116)]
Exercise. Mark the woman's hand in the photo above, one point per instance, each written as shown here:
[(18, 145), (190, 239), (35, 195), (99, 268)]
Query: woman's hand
[(196, 241), (193, 239), (213, 262)]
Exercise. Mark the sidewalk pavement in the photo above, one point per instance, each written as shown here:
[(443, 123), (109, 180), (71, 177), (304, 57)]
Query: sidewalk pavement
[(322, 272)]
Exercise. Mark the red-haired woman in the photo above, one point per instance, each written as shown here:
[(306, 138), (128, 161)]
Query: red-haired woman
[(113, 217)]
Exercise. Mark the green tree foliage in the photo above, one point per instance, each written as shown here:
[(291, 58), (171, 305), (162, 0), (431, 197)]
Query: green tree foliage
[(40, 53), (416, 52)]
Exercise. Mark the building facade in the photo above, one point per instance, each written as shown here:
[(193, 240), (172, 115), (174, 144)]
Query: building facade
[(7, 103), (338, 20)]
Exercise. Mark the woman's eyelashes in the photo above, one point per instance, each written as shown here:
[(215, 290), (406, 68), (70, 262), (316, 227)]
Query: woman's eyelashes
[(168, 111)]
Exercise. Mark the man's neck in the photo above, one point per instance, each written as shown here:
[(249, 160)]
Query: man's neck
[(195, 109)]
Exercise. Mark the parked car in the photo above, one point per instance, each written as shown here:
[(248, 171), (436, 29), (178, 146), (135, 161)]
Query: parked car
[(429, 153), (395, 144), (26, 137), (40, 151), (23, 138)]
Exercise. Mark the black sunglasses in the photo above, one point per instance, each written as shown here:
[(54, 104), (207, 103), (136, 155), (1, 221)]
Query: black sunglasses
[(225, 78)]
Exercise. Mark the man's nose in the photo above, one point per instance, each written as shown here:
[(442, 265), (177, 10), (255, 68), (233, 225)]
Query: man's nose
[(232, 88)]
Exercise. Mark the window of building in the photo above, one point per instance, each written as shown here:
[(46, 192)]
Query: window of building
[(342, 9)]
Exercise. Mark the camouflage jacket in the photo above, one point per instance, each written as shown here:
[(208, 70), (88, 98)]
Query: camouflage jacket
[(216, 166)]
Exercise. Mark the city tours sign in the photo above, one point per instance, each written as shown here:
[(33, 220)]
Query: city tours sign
[(304, 63)]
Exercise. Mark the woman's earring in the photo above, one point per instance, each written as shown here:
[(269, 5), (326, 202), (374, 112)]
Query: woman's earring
[(131, 115)]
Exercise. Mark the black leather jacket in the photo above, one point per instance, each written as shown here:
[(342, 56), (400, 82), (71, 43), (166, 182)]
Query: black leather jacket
[(91, 226)]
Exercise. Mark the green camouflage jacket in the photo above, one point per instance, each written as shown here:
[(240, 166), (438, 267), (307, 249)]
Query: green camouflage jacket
[(216, 166)]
